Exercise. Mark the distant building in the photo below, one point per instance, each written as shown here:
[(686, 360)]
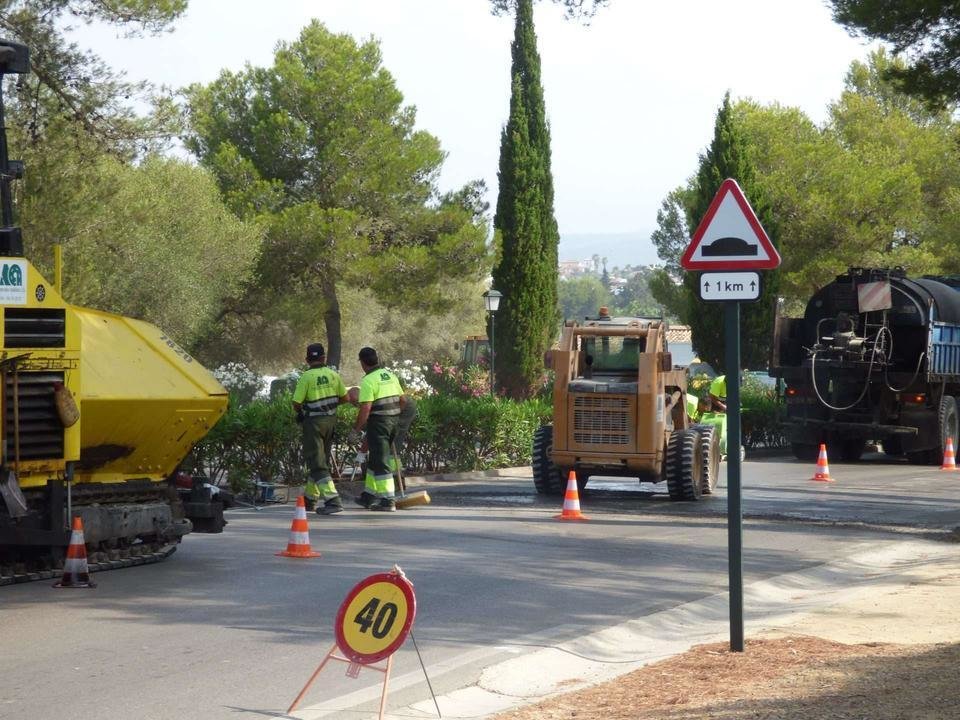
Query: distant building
[(617, 284), (680, 344), (571, 268)]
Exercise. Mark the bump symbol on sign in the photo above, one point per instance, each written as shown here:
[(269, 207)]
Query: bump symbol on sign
[(730, 236)]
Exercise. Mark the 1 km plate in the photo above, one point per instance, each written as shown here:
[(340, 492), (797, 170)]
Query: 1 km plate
[(375, 618)]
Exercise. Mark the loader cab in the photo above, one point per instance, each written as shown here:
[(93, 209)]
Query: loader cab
[(613, 357)]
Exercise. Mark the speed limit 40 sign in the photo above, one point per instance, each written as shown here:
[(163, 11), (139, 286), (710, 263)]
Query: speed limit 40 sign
[(375, 617)]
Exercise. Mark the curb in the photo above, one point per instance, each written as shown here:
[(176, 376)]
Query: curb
[(555, 668), (511, 472)]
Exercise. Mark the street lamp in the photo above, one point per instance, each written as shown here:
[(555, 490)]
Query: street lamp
[(492, 299)]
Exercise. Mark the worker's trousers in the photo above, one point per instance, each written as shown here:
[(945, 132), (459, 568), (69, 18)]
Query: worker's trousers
[(381, 433), (317, 444)]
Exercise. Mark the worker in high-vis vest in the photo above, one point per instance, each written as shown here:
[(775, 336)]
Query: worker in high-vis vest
[(718, 394), (381, 401), (695, 407), (319, 390)]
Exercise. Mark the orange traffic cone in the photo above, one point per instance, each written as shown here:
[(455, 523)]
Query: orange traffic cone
[(299, 545), (75, 570), (571, 501), (823, 470), (949, 459)]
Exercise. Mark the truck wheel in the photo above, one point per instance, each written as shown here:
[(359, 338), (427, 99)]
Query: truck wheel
[(684, 465), (710, 454), (546, 476), (852, 450), (948, 426), (805, 451), (892, 445)]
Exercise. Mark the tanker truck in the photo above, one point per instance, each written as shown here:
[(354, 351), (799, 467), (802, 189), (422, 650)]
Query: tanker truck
[(98, 412), (875, 357)]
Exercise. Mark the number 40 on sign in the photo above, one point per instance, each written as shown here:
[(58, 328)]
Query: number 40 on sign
[(372, 623)]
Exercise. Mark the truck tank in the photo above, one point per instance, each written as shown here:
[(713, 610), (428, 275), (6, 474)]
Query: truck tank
[(876, 356), (98, 412)]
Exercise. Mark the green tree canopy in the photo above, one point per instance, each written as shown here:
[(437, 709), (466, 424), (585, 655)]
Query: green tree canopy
[(582, 297), (927, 32), (876, 185), (321, 150), (636, 298), (728, 156), (151, 241), (527, 269), (72, 83)]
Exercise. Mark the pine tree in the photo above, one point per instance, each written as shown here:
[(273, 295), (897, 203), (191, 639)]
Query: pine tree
[(728, 157), (526, 273)]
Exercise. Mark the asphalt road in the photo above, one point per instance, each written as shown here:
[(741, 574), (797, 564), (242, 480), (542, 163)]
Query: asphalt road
[(225, 629)]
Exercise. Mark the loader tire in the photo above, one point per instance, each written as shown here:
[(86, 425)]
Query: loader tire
[(547, 477), (684, 465), (710, 456)]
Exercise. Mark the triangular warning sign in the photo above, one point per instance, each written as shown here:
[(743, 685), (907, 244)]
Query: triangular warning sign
[(730, 237)]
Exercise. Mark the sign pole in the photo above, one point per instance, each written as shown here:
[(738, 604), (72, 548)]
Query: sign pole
[(734, 512), (729, 245)]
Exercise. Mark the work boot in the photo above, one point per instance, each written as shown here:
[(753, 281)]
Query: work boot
[(366, 500), (309, 502), (385, 505), (331, 507)]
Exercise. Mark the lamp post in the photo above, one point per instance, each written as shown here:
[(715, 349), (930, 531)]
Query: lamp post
[(492, 299)]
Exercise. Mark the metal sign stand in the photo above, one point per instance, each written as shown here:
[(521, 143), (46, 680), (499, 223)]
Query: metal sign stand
[(728, 241), (353, 670), (731, 312), (394, 595)]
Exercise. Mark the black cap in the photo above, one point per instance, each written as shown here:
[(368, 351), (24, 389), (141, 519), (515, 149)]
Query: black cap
[(315, 351)]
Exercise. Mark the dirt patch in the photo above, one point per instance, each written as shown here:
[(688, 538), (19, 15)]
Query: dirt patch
[(789, 678)]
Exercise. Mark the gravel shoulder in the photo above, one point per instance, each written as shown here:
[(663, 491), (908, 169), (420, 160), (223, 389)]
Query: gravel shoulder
[(890, 654)]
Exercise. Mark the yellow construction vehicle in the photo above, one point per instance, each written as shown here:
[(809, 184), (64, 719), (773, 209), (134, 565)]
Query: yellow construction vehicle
[(619, 409), (98, 412)]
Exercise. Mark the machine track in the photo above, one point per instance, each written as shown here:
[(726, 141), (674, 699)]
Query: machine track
[(32, 564), (111, 560)]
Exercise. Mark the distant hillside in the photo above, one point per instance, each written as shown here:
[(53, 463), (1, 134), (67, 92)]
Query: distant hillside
[(630, 248)]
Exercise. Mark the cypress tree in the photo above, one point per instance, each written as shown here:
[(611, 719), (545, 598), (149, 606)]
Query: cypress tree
[(526, 272), (728, 157)]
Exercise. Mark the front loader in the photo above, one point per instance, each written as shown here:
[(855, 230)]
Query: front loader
[(619, 410)]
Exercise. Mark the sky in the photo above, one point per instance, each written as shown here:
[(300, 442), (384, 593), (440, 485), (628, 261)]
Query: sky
[(631, 97)]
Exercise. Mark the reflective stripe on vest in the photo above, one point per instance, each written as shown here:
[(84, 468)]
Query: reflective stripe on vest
[(386, 406), (322, 407)]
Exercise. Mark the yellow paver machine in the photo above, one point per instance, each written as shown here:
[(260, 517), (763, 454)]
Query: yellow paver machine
[(98, 412)]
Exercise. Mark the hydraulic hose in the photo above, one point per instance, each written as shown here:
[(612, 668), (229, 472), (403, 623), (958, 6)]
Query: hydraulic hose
[(866, 384), (916, 372)]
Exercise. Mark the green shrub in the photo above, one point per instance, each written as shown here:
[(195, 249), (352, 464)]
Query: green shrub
[(254, 440), (761, 412), (456, 433), (260, 440), (761, 415)]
